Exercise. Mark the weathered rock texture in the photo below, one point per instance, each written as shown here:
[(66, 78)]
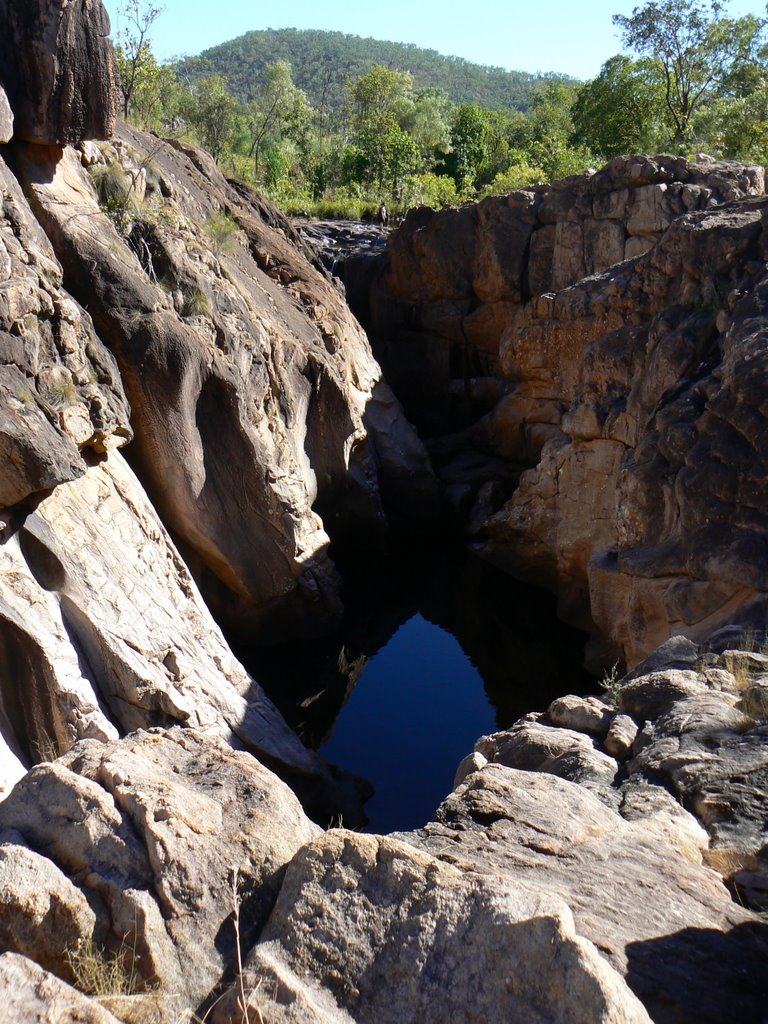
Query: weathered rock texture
[(368, 929), (33, 996), (545, 805), (60, 390), (102, 631), (255, 399), (163, 834), (628, 335), (58, 69)]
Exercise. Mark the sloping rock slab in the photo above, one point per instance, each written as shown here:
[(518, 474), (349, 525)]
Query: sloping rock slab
[(637, 888), (367, 929), (102, 631)]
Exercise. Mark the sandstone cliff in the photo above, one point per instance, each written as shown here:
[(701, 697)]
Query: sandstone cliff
[(610, 327)]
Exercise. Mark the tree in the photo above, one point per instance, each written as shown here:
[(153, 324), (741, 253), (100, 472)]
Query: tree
[(695, 47), (213, 114), (469, 144), (623, 110), (280, 108), (134, 52), (382, 100)]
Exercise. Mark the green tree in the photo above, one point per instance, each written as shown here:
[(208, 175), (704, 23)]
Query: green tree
[(695, 46), (134, 50), (280, 109), (469, 144), (213, 114), (382, 99), (623, 110)]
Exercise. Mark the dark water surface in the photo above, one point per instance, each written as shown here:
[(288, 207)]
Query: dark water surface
[(436, 651)]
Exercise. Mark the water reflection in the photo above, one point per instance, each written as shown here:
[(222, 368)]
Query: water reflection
[(436, 649)]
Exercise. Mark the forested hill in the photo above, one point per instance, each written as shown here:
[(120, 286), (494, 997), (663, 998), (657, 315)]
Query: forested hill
[(323, 61)]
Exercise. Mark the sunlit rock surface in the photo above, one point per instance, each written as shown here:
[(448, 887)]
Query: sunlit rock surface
[(255, 399)]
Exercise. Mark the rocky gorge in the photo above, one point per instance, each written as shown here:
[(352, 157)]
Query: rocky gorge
[(193, 423)]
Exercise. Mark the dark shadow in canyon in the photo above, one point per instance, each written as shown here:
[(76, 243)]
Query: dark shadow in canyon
[(510, 656)]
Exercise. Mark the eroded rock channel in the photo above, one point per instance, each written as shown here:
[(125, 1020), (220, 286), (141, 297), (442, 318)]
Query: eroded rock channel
[(197, 442)]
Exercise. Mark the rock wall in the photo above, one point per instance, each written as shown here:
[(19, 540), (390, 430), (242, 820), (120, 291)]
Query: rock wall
[(255, 407), (611, 338)]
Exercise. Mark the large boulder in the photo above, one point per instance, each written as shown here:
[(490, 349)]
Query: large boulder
[(58, 70), (177, 842), (368, 929)]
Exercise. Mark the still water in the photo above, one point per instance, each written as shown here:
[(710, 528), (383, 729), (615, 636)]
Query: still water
[(436, 651), (420, 701)]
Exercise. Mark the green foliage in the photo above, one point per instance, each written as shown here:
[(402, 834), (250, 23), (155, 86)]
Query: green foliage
[(221, 231), (622, 110), (695, 47), (519, 176), (323, 62), (213, 114), (136, 64), (116, 193)]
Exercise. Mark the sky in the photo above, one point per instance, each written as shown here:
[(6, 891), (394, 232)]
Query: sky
[(570, 38)]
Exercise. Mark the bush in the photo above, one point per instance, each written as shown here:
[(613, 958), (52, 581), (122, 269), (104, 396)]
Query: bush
[(221, 231), (196, 303)]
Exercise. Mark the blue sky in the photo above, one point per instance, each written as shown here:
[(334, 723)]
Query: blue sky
[(557, 36)]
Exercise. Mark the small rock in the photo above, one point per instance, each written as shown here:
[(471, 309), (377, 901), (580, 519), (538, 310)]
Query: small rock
[(472, 763), (755, 700), (620, 737), (584, 714), (651, 695)]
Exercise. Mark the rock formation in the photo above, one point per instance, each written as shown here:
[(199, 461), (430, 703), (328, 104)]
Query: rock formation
[(608, 325), (153, 867), (58, 70)]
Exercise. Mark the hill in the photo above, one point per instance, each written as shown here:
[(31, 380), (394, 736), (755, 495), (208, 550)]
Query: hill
[(323, 61)]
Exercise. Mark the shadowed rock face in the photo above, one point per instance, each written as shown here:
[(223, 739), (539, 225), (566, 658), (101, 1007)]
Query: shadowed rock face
[(630, 369), (58, 69), (256, 402)]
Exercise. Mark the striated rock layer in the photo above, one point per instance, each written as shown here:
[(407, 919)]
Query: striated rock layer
[(618, 320), (256, 403)]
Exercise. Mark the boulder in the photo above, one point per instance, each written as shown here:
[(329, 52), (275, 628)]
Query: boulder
[(31, 994), (59, 70), (177, 842), (620, 737), (537, 747), (584, 714), (636, 885), (370, 929)]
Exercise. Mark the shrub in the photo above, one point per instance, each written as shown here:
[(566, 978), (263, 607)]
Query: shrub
[(221, 231), (196, 303)]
